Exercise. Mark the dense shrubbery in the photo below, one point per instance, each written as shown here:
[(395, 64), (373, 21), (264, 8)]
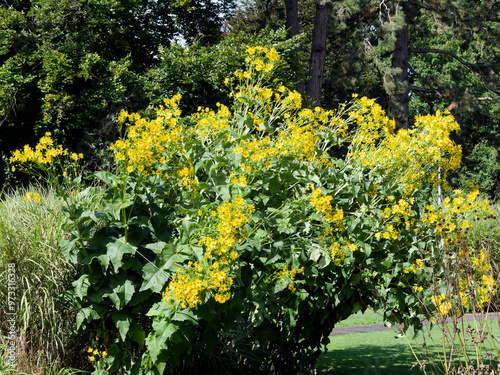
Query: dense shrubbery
[(233, 240)]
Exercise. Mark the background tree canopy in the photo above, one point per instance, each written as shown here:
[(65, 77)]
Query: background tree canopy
[(414, 57), (71, 66)]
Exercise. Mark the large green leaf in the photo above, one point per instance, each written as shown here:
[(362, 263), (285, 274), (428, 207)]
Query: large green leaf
[(116, 250), (122, 321)]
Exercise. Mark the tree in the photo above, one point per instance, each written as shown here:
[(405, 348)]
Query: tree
[(199, 72), (383, 37), (318, 52), (71, 66), (396, 35)]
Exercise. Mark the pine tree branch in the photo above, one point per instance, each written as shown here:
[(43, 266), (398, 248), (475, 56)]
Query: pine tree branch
[(487, 98), (459, 59), (433, 90), (370, 46), (425, 99), (423, 89), (435, 50), (424, 5)]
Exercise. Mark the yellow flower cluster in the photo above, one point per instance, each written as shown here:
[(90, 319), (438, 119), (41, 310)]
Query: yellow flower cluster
[(417, 265), (262, 58), (289, 275), (476, 284), (256, 151), (44, 153), (95, 354), (339, 250), (298, 141), (260, 62), (32, 196), (444, 219), (418, 152), (209, 123), (185, 175), (337, 253), (189, 286), (323, 204), (148, 142), (231, 218), (443, 304)]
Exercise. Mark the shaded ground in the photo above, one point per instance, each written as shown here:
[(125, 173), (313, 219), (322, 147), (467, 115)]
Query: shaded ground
[(366, 350)]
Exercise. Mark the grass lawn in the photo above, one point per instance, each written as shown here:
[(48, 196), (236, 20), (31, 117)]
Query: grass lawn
[(384, 352), (368, 317), (367, 353)]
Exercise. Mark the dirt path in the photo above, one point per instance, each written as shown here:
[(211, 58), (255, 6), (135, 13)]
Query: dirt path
[(381, 327)]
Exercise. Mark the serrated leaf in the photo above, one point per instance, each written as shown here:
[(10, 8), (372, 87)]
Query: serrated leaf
[(154, 278), (88, 314), (185, 314), (68, 250), (282, 285), (81, 286), (123, 291), (116, 250)]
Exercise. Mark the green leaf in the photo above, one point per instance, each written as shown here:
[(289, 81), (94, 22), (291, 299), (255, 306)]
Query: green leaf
[(137, 333), (154, 278), (88, 314), (123, 291), (185, 314), (280, 286), (107, 177), (81, 286), (389, 261), (116, 250), (156, 247), (69, 251), (122, 321)]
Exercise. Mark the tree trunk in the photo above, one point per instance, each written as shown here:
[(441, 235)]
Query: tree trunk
[(292, 18), (400, 98), (292, 25), (318, 52)]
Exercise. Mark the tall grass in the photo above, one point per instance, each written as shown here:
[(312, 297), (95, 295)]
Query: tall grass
[(29, 235)]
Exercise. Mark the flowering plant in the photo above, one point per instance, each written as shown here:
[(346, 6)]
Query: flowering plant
[(236, 234)]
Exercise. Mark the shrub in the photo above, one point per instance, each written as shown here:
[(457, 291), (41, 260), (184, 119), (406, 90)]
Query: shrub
[(232, 240)]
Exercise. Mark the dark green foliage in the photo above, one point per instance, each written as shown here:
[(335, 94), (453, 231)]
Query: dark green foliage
[(198, 72), (70, 67)]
